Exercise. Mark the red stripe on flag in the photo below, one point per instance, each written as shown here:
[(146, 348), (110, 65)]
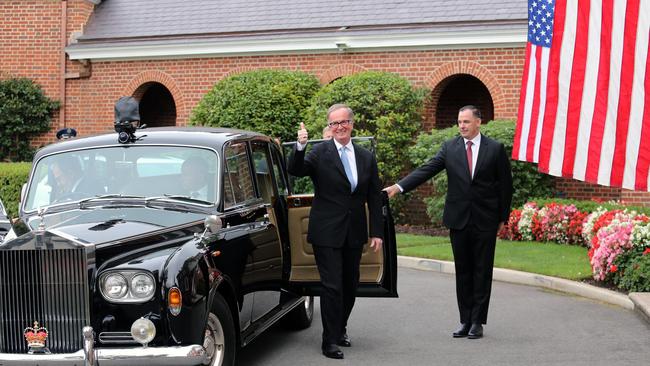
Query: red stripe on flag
[(576, 87), (552, 87), (534, 116), (625, 95), (643, 161), (602, 89), (522, 105)]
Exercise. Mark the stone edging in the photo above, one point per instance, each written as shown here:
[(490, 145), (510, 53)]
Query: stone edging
[(635, 301)]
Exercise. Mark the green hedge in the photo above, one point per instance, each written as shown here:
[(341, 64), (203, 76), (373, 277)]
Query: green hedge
[(527, 181), (267, 101), (385, 105), (12, 178), (25, 112), (589, 206)]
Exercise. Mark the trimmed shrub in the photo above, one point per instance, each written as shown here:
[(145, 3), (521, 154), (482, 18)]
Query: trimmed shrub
[(12, 178), (385, 105), (633, 270), (24, 113), (591, 206), (527, 181), (267, 101)]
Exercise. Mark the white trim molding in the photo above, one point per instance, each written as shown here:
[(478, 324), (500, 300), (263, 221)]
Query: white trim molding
[(225, 47)]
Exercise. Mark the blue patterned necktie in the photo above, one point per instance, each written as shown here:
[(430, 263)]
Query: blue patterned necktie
[(346, 166)]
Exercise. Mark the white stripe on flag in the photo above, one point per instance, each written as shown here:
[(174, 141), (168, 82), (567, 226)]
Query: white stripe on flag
[(528, 106), (546, 51), (609, 133), (564, 84), (638, 96), (588, 92)]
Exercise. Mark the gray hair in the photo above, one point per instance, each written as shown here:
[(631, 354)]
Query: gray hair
[(338, 106)]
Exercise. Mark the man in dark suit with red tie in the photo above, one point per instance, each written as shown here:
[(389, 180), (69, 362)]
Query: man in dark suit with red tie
[(345, 178), (476, 207)]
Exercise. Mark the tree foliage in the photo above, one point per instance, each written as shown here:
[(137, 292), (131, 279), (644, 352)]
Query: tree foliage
[(12, 178), (385, 105), (25, 112), (267, 101)]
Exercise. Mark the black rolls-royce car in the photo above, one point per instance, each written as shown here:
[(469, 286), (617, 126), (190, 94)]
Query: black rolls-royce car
[(164, 247)]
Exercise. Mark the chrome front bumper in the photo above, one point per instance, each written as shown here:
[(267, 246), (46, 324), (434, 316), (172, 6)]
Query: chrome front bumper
[(135, 356)]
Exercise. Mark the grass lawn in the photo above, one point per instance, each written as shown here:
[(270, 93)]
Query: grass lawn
[(565, 261)]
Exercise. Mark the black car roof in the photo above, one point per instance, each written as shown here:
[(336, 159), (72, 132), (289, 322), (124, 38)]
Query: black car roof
[(195, 136)]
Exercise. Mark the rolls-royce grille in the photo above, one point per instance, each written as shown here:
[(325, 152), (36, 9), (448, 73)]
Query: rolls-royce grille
[(47, 286)]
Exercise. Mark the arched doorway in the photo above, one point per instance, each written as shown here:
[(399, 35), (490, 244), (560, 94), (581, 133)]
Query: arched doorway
[(457, 91), (157, 105)]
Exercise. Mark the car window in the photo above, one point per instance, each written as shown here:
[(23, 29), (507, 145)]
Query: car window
[(280, 181), (237, 179), (263, 175), (134, 170)]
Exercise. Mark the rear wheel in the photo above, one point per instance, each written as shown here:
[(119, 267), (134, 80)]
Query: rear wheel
[(301, 316), (220, 340)]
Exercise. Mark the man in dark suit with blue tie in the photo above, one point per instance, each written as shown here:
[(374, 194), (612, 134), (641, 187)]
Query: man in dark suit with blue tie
[(345, 178), (476, 207)]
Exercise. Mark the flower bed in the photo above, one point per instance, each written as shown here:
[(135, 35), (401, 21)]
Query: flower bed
[(618, 240)]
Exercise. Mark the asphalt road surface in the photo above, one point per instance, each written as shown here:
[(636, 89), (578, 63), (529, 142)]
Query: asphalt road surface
[(526, 326)]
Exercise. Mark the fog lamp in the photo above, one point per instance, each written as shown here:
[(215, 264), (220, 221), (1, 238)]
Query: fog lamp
[(143, 331)]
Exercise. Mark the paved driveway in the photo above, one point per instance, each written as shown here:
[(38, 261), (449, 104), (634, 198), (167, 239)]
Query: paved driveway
[(526, 326)]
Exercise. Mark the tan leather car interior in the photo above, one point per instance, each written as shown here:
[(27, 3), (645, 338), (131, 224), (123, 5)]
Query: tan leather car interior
[(303, 264)]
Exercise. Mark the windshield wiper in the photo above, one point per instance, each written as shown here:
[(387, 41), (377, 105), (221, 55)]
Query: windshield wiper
[(178, 197), (105, 196)]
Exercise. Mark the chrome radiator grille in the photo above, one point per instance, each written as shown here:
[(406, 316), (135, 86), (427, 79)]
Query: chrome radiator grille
[(48, 286)]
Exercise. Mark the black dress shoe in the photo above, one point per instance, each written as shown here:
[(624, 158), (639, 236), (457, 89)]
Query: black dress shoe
[(332, 351), (462, 331), (475, 332), (345, 341)]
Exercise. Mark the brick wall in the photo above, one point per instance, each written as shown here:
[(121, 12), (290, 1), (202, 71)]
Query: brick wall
[(569, 188), (32, 45)]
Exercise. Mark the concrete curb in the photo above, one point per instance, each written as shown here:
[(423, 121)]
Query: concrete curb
[(639, 301)]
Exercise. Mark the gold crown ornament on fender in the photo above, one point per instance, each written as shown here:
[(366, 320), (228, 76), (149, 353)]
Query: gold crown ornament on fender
[(36, 336)]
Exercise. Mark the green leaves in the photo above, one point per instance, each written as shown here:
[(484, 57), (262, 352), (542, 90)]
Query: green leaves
[(385, 105), (267, 101), (25, 112), (12, 178)]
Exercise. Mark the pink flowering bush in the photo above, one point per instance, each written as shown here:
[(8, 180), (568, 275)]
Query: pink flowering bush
[(618, 240), (612, 240)]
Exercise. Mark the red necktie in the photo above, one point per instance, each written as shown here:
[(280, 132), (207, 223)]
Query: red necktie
[(469, 157)]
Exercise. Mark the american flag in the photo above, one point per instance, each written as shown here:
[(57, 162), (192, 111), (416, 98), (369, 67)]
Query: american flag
[(584, 111)]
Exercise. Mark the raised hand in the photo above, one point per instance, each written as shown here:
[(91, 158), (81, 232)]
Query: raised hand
[(302, 134)]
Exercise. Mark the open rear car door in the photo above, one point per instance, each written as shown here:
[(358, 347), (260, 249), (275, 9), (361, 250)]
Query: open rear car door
[(378, 272)]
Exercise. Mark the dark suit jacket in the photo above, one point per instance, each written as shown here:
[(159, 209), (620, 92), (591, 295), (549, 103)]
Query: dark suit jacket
[(486, 198), (337, 213)]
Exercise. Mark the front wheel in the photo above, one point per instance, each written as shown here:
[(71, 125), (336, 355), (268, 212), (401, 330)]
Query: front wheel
[(220, 340)]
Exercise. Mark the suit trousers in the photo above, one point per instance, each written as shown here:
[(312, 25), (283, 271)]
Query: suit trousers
[(339, 273), (474, 261)]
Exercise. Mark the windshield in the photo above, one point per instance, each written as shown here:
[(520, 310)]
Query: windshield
[(141, 171)]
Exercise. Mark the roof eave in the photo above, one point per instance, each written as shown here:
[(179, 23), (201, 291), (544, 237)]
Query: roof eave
[(143, 50)]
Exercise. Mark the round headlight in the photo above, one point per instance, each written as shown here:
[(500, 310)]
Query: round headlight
[(143, 331), (114, 286), (142, 286)]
